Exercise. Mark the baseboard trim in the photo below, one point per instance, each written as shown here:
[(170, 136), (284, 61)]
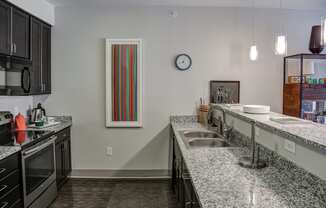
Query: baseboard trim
[(120, 174)]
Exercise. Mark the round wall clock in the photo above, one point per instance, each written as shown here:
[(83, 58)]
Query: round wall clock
[(183, 62)]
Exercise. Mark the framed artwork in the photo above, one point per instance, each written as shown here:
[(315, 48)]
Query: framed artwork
[(224, 91), (124, 83)]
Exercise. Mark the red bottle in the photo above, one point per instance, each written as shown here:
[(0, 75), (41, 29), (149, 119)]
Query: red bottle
[(20, 122)]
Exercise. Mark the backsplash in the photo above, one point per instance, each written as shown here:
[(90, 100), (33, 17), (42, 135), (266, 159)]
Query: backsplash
[(21, 104), (16, 104)]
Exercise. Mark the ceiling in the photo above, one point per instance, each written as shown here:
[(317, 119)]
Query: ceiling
[(289, 4)]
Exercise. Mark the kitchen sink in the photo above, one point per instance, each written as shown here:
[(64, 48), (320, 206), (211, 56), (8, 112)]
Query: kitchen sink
[(200, 134), (208, 142), (202, 139)]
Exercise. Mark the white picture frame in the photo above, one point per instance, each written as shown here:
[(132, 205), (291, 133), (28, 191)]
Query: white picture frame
[(110, 106)]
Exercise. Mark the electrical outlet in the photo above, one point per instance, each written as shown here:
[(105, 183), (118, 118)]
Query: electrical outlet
[(289, 146), (109, 151)]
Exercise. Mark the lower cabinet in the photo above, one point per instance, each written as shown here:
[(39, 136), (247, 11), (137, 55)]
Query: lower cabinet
[(181, 180), (10, 182), (63, 156)]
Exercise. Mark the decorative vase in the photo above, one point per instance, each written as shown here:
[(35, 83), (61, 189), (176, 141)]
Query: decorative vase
[(315, 45)]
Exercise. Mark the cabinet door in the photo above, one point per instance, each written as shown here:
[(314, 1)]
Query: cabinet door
[(5, 38), (20, 33), (46, 59), (36, 43), (59, 162), (67, 157)]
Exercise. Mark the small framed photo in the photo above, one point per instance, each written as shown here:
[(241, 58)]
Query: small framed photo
[(224, 91)]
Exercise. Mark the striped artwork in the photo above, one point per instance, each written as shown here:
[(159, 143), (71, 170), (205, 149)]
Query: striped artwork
[(124, 82)]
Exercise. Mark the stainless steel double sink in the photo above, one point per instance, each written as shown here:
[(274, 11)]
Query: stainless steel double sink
[(201, 139)]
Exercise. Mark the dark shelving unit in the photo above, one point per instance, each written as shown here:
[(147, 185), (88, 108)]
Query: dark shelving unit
[(304, 86)]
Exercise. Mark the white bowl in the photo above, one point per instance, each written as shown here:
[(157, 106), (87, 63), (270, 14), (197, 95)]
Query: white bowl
[(257, 109)]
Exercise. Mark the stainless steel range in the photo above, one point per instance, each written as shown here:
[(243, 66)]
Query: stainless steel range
[(38, 162)]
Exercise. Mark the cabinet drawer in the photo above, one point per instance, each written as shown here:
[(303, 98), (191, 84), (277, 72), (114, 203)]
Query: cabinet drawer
[(9, 182), (63, 134), (11, 198), (8, 165)]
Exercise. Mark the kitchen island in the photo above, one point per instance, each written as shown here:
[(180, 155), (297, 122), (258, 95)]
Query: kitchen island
[(310, 134), (219, 181)]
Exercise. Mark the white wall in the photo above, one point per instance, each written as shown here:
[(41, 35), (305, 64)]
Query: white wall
[(218, 39), (39, 8)]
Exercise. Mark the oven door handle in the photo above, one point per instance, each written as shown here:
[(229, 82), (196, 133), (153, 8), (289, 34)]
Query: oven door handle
[(39, 148)]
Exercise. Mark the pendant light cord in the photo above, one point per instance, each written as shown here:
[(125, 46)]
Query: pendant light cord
[(281, 17), (253, 22)]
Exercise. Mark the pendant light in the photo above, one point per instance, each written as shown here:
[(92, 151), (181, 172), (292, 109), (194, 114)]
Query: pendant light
[(280, 41), (253, 53)]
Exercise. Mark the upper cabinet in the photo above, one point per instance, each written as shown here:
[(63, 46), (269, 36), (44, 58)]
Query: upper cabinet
[(5, 28), (14, 31), (46, 59), (41, 57), (25, 41), (20, 34), (36, 43)]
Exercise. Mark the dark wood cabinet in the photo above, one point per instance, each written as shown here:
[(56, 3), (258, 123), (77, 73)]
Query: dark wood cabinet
[(5, 28), (63, 156), (36, 70), (20, 34), (10, 182), (181, 180), (41, 57), (26, 41), (46, 58), (14, 31)]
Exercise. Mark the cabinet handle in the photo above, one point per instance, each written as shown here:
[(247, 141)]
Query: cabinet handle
[(4, 204), (2, 170), (15, 48), (3, 187)]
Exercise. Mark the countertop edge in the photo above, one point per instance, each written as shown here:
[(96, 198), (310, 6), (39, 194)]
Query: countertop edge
[(304, 141)]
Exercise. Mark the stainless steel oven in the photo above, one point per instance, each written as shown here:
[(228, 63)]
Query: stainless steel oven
[(39, 174)]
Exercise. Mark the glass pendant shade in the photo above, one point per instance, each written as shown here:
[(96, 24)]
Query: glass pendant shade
[(280, 45), (253, 55)]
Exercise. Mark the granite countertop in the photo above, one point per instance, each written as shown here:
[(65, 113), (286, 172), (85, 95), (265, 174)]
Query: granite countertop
[(220, 182), (308, 133), (65, 122), (7, 151)]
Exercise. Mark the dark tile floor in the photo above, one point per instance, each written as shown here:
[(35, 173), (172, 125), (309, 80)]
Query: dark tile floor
[(104, 193)]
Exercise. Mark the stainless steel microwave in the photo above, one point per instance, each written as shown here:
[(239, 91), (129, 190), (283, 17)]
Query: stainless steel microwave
[(15, 76)]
